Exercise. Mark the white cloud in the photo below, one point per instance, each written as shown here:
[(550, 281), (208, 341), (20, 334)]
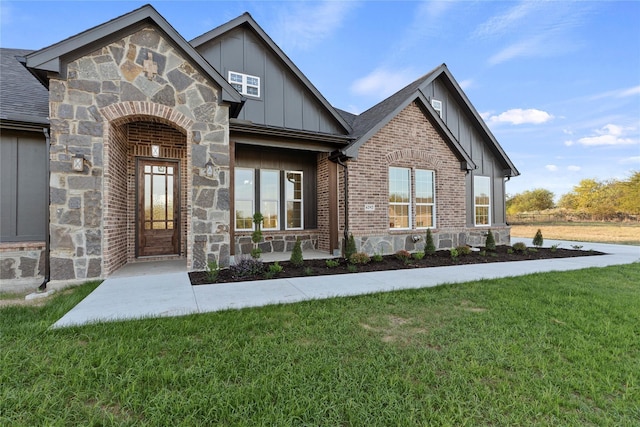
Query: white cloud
[(551, 168), (618, 93), (499, 24), (522, 48), (302, 26), (518, 116), (569, 143), (632, 159), (609, 135), (466, 84), (382, 83), (629, 92), (573, 168)]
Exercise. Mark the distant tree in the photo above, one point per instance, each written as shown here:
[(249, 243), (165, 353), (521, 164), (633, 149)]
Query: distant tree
[(530, 200), (630, 195)]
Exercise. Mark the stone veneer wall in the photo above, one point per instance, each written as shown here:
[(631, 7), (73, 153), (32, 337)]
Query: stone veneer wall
[(277, 241), (21, 266), (409, 140), (140, 78)]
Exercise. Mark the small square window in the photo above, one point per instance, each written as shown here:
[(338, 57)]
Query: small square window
[(437, 105), (245, 84)]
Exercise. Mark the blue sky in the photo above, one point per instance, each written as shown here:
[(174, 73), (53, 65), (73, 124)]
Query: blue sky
[(558, 82)]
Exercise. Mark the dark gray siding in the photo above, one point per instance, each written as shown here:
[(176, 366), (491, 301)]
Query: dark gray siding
[(462, 126), (23, 187), (284, 100)]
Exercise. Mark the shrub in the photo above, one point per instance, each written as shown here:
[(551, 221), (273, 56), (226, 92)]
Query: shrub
[(350, 247), (538, 240), (403, 255), (490, 243), (213, 271), (532, 250), (519, 247), (308, 271), (454, 253), (429, 246), (256, 236), (554, 248), (296, 255), (352, 268), (463, 250), (276, 268), (482, 253), (359, 258), (509, 251), (248, 267), (256, 252), (377, 258), (418, 255), (332, 263)]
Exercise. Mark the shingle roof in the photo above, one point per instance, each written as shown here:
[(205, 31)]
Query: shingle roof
[(22, 97)]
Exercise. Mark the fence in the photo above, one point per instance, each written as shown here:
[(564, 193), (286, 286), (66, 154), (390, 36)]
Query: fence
[(526, 218)]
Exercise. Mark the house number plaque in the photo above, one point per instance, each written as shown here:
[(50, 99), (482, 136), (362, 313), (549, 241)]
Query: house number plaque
[(369, 207)]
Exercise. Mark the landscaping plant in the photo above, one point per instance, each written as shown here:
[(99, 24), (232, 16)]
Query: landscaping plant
[(350, 247), (359, 258), (537, 239), (429, 246), (490, 243), (213, 270), (256, 236), (296, 254)]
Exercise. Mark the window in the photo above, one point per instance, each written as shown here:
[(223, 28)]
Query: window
[(270, 198), (244, 195), (437, 105), (293, 194), (399, 197), (245, 84), (482, 200), (425, 201)]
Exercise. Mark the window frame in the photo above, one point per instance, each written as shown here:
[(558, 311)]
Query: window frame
[(433, 198), (407, 204), (437, 105), (236, 199), (243, 83), (476, 180), (276, 200), (294, 200)]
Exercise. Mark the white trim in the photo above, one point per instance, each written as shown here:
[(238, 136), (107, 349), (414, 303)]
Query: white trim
[(252, 200), (437, 105), (276, 200), (476, 205), (243, 83), (287, 200)]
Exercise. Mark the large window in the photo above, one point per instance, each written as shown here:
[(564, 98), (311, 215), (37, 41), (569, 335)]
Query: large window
[(245, 84), (271, 184), (482, 200), (404, 204), (244, 195)]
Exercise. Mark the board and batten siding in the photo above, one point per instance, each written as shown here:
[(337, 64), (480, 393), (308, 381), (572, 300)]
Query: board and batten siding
[(284, 100)]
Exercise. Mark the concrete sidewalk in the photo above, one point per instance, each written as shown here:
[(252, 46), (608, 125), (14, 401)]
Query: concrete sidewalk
[(171, 293)]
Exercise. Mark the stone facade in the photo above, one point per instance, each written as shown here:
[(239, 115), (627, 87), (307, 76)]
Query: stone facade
[(108, 95), (409, 140), (277, 241), (21, 266)]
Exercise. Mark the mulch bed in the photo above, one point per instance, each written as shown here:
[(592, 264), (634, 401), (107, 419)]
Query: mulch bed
[(318, 267)]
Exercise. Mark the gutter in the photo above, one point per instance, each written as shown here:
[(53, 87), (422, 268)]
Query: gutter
[(47, 237), (339, 157)]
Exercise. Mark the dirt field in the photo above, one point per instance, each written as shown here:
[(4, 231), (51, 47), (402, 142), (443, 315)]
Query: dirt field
[(619, 233)]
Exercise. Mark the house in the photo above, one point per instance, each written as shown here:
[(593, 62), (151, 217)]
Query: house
[(144, 146)]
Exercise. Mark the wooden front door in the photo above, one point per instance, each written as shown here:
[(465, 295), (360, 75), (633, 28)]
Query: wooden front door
[(158, 208)]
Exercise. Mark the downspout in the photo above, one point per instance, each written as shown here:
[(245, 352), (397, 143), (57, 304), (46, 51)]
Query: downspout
[(47, 238)]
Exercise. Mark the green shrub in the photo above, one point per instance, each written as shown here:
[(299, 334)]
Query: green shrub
[(532, 250), (377, 258), (247, 267), (403, 255), (297, 259), (213, 271), (352, 268), (332, 263), (490, 243), (256, 236), (538, 240), (350, 247), (519, 247), (454, 253), (463, 250), (308, 271), (509, 251), (482, 253), (276, 268), (554, 248), (418, 255), (359, 258), (429, 246), (256, 252)]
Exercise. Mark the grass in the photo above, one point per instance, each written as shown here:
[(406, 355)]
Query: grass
[(543, 349), (603, 232)]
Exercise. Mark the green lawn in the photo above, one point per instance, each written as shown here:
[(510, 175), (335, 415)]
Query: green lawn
[(544, 349)]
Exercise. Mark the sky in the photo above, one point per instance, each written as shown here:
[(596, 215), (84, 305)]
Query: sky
[(557, 82)]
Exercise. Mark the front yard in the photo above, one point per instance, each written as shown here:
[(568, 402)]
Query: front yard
[(544, 349)]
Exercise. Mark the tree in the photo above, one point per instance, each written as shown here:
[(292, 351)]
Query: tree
[(630, 195), (530, 200)]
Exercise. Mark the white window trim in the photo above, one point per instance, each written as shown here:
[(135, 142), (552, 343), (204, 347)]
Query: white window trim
[(244, 84), (252, 200), (475, 205), (277, 200), (287, 200), (433, 205), (437, 105), (410, 219)]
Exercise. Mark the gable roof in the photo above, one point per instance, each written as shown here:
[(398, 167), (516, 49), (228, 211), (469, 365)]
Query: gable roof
[(371, 121), (247, 20), (54, 58), (22, 98)]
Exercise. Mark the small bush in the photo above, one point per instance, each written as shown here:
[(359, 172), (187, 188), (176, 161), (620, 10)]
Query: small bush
[(532, 250), (350, 247), (454, 253), (297, 260), (482, 253), (509, 251), (247, 267), (538, 240), (276, 268), (463, 250), (490, 243), (519, 247), (359, 258), (403, 255), (308, 271), (376, 258), (332, 263), (418, 255), (554, 248), (255, 253), (576, 247), (213, 271), (352, 268), (429, 246)]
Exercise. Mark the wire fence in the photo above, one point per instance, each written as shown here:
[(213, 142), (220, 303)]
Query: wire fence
[(528, 218)]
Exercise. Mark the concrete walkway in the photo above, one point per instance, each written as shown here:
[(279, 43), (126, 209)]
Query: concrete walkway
[(149, 292)]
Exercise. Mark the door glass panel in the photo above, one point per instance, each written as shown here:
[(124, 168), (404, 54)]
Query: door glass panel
[(159, 195), (147, 196), (170, 198)]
